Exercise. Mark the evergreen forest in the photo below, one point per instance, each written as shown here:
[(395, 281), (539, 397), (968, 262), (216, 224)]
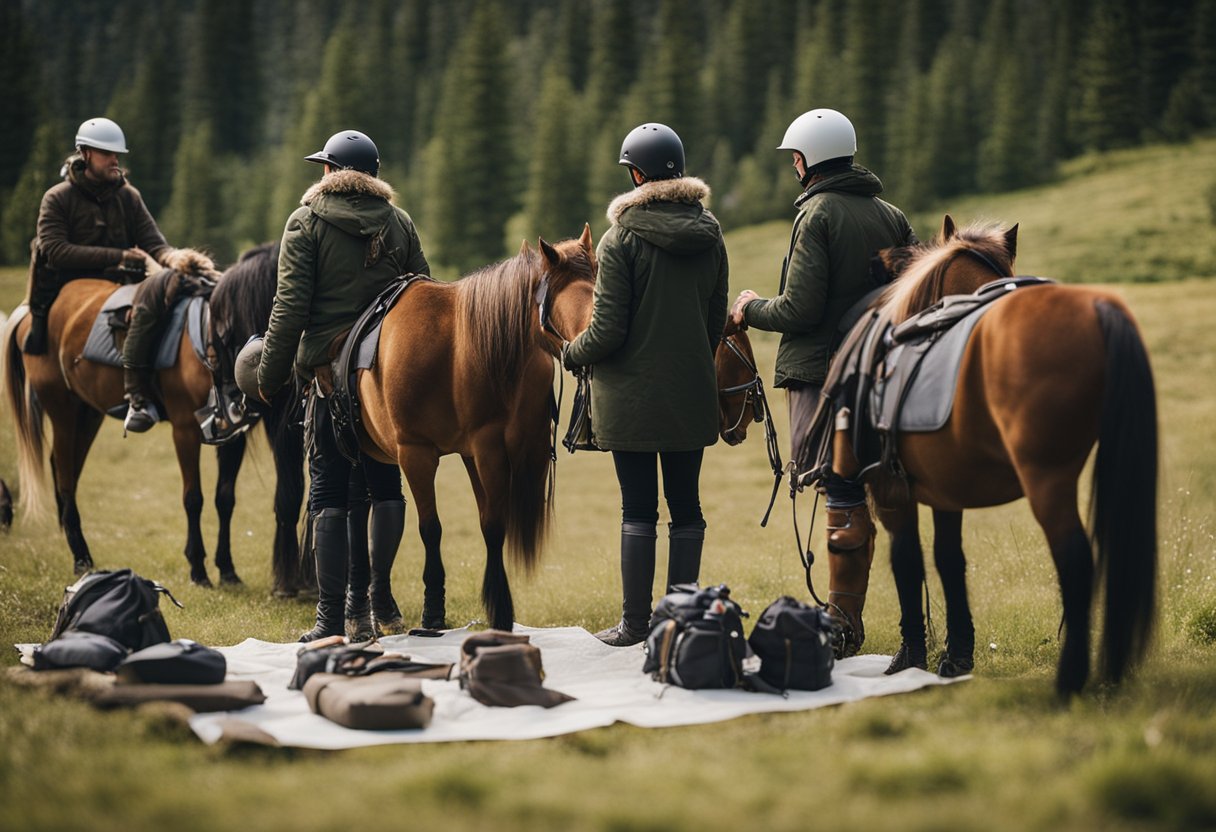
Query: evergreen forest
[(502, 119)]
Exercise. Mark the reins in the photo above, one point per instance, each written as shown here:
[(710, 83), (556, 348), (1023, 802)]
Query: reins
[(753, 394)]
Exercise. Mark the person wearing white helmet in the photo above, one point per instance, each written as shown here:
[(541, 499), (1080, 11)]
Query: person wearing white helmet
[(93, 224), (841, 224)]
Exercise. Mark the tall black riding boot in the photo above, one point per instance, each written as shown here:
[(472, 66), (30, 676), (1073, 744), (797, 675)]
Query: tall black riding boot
[(141, 413), (637, 582), (684, 543), (358, 609), (388, 524), (35, 339), (330, 544), (42, 290)]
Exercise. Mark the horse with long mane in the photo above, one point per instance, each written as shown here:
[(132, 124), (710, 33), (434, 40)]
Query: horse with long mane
[(467, 368), (1048, 371), (76, 393)]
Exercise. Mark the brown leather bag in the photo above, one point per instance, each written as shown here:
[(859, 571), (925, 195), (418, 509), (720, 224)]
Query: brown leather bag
[(503, 669), (386, 701)]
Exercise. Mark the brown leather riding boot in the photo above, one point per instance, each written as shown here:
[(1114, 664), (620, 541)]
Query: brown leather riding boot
[(849, 529)]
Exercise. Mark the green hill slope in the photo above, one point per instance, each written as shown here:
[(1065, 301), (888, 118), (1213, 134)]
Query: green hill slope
[(1135, 215)]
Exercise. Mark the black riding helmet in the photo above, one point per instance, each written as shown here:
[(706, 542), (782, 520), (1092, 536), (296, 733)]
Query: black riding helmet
[(351, 150), (654, 150)]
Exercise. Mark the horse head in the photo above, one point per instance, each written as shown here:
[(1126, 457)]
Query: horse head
[(564, 292), (738, 388)]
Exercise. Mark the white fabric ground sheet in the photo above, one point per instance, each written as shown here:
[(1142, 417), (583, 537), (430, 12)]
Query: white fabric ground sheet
[(607, 683)]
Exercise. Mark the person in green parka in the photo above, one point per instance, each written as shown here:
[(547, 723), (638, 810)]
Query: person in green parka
[(660, 307), (841, 225)]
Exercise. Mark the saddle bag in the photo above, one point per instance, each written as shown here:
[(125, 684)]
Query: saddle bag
[(120, 605), (77, 649), (794, 643), (180, 662), (696, 639), (503, 669), (389, 701)]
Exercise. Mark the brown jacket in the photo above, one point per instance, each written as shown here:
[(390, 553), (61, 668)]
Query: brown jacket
[(83, 227)]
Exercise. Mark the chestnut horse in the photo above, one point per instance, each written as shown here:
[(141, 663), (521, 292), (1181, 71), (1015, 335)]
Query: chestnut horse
[(76, 394), (1048, 371), (467, 368)]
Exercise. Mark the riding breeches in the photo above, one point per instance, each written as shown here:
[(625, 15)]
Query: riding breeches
[(803, 399), (328, 469), (637, 473)]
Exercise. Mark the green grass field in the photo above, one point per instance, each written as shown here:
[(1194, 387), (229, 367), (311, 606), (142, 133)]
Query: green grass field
[(998, 752)]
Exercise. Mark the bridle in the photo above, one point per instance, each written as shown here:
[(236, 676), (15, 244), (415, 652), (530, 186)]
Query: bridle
[(753, 395)]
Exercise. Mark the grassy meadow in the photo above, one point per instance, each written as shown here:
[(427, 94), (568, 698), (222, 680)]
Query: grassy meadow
[(997, 752)]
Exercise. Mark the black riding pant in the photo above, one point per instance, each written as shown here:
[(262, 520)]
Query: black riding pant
[(372, 481), (329, 471), (637, 473)]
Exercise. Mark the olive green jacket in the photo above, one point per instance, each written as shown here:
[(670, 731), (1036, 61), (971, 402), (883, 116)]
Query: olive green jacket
[(84, 227), (660, 305), (342, 246), (841, 225)]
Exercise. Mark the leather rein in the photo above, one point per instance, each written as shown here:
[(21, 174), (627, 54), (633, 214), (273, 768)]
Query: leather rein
[(753, 396)]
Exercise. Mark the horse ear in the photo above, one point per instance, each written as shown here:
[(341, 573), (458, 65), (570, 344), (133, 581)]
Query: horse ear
[(525, 247), (947, 227), (585, 239), (550, 253), (1011, 242)]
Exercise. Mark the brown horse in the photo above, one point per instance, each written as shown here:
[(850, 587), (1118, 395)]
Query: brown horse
[(76, 394), (467, 368), (1046, 373)]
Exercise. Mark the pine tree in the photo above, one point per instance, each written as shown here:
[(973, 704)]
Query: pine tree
[(195, 216), (670, 86), (40, 172), (865, 65), (1204, 51), (472, 149), (19, 81), (222, 86), (1006, 159), (1163, 29), (148, 111), (556, 201), (614, 57), (1109, 114)]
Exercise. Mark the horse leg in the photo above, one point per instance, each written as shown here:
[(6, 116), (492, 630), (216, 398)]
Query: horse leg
[(908, 566), (70, 447), (419, 466), (287, 447), (1053, 499), (959, 656), (489, 474), (186, 442), (230, 455)]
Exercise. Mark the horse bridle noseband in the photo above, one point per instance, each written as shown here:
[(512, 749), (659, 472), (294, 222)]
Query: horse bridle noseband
[(753, 394)]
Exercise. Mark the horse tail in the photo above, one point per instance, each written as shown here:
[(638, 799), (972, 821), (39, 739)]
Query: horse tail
[(529, 509), (1124, 498), (27, 422)]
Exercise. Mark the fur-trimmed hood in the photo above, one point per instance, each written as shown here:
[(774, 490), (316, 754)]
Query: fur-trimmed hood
[(349, 182), (687, 189), (355, 202), (670, 214)]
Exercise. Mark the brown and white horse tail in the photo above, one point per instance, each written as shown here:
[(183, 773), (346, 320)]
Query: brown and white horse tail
[(28, 426), (1124, 498)]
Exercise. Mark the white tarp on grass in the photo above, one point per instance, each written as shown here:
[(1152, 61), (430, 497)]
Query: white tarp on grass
[(607, 683)]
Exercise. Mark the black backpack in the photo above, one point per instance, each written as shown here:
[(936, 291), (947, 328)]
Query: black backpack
[(794, 643), (119, 605), (696, 639)]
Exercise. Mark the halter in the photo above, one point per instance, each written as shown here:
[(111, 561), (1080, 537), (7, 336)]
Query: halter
[(753, 394)]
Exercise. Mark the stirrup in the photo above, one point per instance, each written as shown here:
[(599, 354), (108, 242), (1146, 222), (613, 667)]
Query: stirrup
[(140, 419)]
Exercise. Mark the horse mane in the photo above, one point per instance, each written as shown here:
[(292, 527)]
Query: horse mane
[(241, 302), (922, 282), (494, 307)]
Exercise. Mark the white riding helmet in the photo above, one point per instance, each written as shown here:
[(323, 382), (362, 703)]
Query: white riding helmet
[(102, 134), (820, 135)]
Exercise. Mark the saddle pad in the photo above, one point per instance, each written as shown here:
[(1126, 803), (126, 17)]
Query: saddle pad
[(185, 314), (916, 391)]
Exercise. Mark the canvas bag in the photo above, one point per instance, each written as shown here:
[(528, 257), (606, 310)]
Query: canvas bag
[(696, 639), (120, 605), (503, 669), (794, 643), (391, 700)]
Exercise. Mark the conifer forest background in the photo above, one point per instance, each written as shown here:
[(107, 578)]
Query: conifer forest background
[(502, 119)]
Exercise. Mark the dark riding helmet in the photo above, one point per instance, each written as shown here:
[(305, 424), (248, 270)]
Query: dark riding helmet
[(350, 150), (654, 150)]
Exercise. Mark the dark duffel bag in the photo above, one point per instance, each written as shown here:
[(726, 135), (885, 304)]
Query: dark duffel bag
[(75, 649), (120, 605), (794, 643), (696, 639), (180, 662)]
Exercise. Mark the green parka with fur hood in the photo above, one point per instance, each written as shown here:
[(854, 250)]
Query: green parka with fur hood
[(342, 246), (660, 306)]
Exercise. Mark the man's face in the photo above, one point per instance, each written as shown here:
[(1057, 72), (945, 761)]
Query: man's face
[(101, 165), (799, 165)]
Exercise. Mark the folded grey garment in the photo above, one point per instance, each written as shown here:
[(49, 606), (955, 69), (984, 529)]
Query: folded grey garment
[(389, 700), (226, 696)]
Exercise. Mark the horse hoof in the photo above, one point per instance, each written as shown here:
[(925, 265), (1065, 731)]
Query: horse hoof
[(951, 667), (82, 567), (230, 579), (905, 658), (284, 593), (434, 621), (201, 580)]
